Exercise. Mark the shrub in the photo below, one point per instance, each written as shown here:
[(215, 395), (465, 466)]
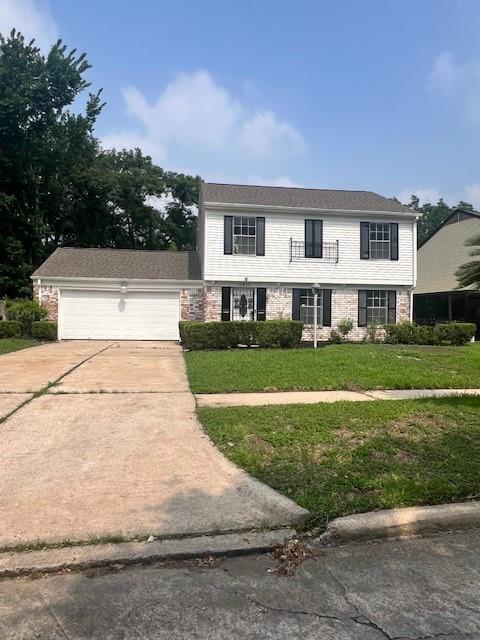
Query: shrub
[(10, 329), (456, 333), (424, 334), (373, 333), (344, 327), (44, 330), (335, 337), (278, 333), (225, 335), (26, 312), (401, 333)]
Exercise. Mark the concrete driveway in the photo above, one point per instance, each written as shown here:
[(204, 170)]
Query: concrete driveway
[(112, 446)]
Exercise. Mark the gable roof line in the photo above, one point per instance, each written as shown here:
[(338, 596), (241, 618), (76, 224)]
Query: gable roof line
[(296, 198), (284, 208), (473, 214)]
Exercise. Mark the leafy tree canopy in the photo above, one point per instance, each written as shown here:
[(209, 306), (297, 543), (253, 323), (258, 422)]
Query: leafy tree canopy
[(433, 215), (58, 187)]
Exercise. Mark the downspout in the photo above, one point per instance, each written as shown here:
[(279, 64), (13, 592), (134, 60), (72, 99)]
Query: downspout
[(39, 285), (414, 250)]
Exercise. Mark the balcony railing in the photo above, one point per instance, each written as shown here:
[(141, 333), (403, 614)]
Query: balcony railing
[(326, 251)]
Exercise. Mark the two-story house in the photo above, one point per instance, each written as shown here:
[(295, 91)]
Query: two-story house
[(260, 250)]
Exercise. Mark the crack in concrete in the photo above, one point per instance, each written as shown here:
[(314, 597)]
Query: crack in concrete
[(43, 390)]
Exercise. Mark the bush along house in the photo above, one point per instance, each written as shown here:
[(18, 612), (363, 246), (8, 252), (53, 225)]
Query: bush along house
[(259, 251)]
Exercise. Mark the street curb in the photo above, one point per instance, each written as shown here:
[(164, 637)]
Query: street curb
[(409, 521), (13, 563)]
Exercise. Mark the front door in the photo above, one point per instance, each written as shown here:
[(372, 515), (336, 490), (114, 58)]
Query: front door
[(243, 304)]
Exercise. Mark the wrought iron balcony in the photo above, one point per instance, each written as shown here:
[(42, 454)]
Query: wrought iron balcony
[(326, 251)]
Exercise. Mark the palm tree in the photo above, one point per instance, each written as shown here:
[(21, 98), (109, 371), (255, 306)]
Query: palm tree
[(469, 273)]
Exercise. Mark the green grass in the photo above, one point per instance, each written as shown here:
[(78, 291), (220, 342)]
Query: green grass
[(15, 344), (350, 457), (348, 366)]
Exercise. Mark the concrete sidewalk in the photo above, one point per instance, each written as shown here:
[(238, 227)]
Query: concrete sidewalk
[(313, 397)]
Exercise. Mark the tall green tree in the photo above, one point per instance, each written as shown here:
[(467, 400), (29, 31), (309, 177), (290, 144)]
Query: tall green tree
[(433, 215), (58, 187)]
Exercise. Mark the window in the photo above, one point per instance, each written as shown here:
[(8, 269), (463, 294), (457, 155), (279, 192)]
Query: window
[(379, 237), (377, 307), (307, 307), (244, 235)]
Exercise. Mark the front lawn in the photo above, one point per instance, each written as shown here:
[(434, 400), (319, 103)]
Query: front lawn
[(15, 344), (347, 366), (349, 457)]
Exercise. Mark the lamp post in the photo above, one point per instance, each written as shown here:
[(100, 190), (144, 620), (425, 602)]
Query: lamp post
[(316, 288)]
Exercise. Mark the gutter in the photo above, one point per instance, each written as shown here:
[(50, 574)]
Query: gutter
[(283, 209)]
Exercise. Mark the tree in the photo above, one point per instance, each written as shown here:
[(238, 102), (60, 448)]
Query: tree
[(58, 187), (468, 275), (433, 215)]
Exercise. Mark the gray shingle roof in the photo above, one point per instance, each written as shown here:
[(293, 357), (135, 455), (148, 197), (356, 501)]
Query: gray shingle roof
[(303, 198), (121, 263)]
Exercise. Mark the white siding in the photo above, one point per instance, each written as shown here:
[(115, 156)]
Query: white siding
[(275, 266)]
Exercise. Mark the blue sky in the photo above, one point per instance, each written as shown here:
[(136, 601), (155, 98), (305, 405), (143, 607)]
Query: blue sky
[(371, 94)]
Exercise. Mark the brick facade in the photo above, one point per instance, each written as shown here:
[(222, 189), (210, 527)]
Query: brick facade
[(191, 304), (279, 305), (206, 304), (49, 299)]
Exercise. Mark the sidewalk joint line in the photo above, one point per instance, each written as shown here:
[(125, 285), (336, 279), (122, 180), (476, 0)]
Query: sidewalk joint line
[(43, 390)]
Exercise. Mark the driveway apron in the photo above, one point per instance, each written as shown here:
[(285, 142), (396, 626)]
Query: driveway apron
[(114, 448)]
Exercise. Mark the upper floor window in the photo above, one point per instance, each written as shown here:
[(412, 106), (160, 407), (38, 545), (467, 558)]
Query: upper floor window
[(379, 241), (244, 235)]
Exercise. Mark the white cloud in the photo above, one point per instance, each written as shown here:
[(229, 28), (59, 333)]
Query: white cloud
[(196, 125), (281, 181), (444, 73), (28, 17), (261, 133)]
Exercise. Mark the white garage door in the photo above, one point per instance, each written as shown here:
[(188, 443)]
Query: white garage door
[(111, 315)]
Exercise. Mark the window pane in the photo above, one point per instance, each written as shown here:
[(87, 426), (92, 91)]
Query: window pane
[(244, 229), (307, 307), (379, 241)]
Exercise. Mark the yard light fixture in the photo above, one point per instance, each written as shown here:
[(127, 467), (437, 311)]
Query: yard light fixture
[(123, 287), (316, 289)]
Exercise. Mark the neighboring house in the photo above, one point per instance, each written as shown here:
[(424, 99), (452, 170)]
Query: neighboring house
[(260, 249), (437, 298)]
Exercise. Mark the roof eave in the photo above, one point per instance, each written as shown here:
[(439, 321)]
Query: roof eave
[(234, 206), (49, 279)]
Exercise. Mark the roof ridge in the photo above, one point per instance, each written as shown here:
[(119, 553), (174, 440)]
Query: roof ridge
[(273, 186), (173, 251)]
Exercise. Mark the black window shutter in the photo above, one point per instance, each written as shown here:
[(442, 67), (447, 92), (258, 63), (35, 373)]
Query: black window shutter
[(313, 238), (260, 248), (364, 240), (227, 235), (392, 307), (309, 239), (362, 308), (327, 307), (318, 238), (225, 304), (261, 303), (296, 304), (394, 241)]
